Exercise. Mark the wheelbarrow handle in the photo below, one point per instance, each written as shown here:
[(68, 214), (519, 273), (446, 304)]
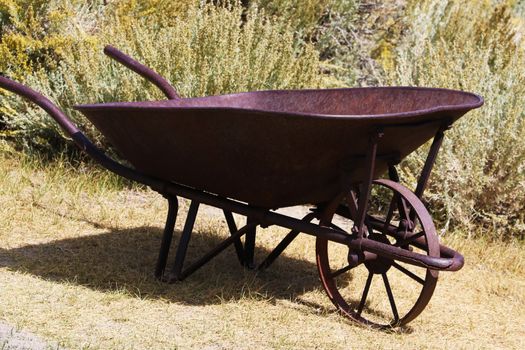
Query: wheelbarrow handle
[(65, 123), (143, 70), (78, 137)]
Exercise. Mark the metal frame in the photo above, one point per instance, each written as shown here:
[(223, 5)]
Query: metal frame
[(449, 260)]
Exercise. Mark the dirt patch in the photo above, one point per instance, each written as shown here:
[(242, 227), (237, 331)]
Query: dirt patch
[(14, 339)]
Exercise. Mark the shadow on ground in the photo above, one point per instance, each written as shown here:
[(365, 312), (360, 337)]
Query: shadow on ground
[(125, 259)]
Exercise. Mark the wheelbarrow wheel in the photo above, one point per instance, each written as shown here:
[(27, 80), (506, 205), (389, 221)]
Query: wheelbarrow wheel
[(370, 289)]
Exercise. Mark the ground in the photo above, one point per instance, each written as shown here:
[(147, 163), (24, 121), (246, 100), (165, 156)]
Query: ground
[(76, 265)]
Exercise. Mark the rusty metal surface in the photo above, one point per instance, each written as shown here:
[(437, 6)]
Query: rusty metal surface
[(276, 148)]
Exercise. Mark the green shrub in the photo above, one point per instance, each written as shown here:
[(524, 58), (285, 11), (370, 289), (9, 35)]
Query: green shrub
[(334, 37), (332, 26), (205, 50), (36, 34), (479, 180), (303, 15)]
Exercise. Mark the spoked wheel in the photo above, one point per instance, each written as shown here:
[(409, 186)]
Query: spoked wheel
[(375, 290)]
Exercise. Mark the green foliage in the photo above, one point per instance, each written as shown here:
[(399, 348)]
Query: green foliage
[(304, 15), (479, 180), (335, 38), (332, 26), (36, 34), (207, 50), (30, 33)]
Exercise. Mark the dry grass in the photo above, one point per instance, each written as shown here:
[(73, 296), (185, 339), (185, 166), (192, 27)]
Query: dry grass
[(76, 260)]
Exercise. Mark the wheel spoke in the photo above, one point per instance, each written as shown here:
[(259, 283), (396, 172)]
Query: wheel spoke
[(391, 298), (365, 294), (404, 211), (351, 202), (340, 271), (390, 213), (408, 273)]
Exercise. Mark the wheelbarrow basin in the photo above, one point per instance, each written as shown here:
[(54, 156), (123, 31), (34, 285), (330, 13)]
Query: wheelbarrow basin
[(276, 148)]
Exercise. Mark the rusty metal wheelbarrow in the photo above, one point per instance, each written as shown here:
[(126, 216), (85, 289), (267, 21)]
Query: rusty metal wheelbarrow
[(251, 153)]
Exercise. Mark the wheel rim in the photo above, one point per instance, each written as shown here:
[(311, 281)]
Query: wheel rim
[(405, 223)]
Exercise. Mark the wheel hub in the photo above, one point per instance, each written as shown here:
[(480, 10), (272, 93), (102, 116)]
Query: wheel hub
[(380, 264)]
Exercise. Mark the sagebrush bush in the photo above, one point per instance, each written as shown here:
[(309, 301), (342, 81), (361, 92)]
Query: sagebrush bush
[(35, 34), (335, 28), (206, 50), (303, 15), (479, 179)]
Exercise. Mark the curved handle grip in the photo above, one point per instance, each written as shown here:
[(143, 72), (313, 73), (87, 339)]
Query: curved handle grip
[(67, 125), (143, 70)]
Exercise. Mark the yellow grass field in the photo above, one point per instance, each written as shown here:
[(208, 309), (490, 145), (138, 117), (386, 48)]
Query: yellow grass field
[(76, 263)]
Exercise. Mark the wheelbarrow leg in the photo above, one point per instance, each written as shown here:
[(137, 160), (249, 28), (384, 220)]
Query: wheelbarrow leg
[(173, 208), (175, 273), (249, 244)]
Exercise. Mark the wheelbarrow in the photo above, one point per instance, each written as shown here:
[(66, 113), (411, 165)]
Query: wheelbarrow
[(255, 152)]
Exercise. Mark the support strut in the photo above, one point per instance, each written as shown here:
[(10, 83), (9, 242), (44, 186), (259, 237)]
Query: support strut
[(366, 186), (239, 249), (429, 162), (213, 253), (283, 244)]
